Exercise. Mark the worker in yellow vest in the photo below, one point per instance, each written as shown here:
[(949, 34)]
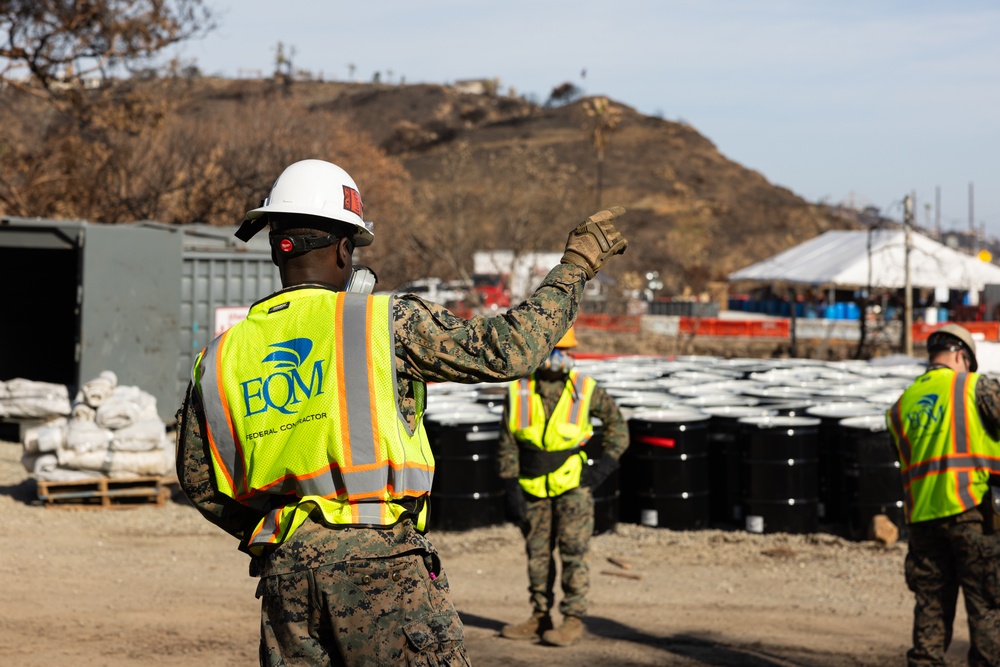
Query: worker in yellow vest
[(946, 427), (302, 433), (548, 483)]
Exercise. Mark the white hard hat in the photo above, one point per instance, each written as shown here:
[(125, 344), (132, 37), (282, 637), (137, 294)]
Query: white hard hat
[(317, 188)]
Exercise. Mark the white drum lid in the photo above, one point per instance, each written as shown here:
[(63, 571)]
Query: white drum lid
[(843, 410), (780, 422), (738, 411), (670, 415), (874, 423)]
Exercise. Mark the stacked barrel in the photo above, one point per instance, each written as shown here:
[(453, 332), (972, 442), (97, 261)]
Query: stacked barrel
[(790, 445)]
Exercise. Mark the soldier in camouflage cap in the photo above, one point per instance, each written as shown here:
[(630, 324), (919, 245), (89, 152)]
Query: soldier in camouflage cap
[(946, 428), (301, 434)]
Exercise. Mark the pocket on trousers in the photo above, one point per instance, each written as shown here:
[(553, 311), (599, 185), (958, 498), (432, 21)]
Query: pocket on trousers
[(991, 571), (437, 639)]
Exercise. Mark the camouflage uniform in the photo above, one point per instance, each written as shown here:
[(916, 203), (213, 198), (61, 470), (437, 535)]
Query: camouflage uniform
[(957, 551), (567, 520), (376, 596)]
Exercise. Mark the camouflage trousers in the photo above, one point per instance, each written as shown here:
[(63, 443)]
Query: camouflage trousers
[(945, 554), (361, 613), (566, 522)]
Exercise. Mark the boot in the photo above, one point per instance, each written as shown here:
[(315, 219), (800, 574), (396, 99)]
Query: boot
[(566, 634), (538, 623)]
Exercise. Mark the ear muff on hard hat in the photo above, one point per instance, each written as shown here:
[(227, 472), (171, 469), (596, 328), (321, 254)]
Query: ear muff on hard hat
[(311, 190), (951, 336)]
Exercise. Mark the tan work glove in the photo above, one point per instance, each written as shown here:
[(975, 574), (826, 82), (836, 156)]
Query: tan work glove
[(595, 240)]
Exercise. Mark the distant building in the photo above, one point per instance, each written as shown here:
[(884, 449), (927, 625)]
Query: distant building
[(477, 86)]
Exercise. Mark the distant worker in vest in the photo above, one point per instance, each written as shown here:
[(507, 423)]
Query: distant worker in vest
[(549, 484), (946, 428), (302, 432)]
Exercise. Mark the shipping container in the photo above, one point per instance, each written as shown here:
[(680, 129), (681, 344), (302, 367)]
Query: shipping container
[(138, 299)]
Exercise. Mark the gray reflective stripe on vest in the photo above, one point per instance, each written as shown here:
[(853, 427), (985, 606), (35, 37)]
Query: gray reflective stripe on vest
[(962, 463), (361, 430), (524, 398), (229, 454), (965, 489), (369, 512), (268, 528), (575, 398), (960, 435)]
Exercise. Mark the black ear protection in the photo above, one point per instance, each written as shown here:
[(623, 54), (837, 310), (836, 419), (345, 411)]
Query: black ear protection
[(293, 246)]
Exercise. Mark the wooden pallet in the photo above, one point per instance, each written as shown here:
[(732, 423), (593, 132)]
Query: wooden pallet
[(106, 493)]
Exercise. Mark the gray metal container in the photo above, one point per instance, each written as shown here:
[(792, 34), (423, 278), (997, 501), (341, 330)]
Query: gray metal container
[(137, 299)]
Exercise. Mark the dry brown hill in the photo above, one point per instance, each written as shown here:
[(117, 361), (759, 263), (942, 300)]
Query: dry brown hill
[(444, 172), (694, 215)]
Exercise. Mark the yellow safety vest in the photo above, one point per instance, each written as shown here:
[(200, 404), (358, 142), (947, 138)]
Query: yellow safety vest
[(559, 439), (302, 415), (945, 454)]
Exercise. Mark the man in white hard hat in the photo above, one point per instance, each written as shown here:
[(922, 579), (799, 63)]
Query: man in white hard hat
[(302, 431), (548, 484), (946, 427)]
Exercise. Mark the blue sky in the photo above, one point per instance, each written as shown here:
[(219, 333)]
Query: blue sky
[(842, 101)]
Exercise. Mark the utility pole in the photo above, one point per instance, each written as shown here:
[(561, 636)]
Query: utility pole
[(907, 290), (937, 211), (972, 217)]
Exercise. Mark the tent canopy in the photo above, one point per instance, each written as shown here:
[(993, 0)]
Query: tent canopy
[(873, 258)]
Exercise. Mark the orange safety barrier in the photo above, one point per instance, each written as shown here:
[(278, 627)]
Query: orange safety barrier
[(605, 322), (990, 331), (713, 326)]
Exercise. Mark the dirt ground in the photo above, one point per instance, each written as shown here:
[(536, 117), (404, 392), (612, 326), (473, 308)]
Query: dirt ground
[(159, 586)]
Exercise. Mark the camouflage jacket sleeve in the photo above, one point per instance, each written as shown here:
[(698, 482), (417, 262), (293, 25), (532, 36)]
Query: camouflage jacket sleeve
[(988, 405), (194, 472), (508, 458), (615, 428), (435, 345)]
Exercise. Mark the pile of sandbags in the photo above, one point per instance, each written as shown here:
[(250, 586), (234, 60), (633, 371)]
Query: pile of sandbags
[(29, 399), (112, 431)]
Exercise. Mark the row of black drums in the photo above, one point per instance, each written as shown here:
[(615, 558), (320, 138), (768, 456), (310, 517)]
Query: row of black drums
[(468, 492), (762, 445), (777, 468), (763, 469)]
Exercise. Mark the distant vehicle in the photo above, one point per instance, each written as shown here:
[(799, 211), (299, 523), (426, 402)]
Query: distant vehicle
[(434, 290), (485, 291), (492, 290)]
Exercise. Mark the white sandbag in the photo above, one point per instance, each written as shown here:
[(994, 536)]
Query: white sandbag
[(26, 399), (82, 412), (98, 390), (126, 406), (84, 436), (139, 437), (153, 463), (46, 437), (58, 474), (39, 463)]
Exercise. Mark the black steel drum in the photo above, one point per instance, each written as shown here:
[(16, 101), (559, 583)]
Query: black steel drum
[(780, 474), (467, 491), (873, 484), (607, 494), (665, 471), (832, 496), (725, 448)]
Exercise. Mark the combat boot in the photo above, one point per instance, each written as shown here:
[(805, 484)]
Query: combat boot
[(566, 634), (539, 623)]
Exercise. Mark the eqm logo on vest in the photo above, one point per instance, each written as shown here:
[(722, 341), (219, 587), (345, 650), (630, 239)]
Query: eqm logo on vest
[(928, 412), (286, 387)]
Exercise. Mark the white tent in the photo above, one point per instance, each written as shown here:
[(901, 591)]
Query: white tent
[(876, 259)]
